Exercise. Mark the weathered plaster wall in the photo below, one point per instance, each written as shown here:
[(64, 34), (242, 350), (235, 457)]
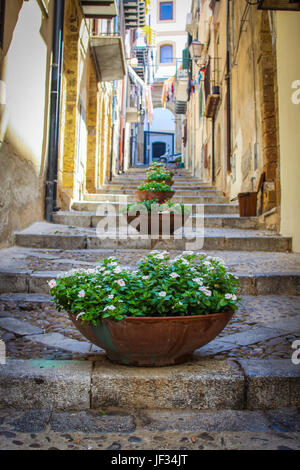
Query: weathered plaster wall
[(288, 38), (25, 68)]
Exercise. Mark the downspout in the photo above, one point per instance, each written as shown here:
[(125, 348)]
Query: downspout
[(213, 171), (53, 143), (228, 94)]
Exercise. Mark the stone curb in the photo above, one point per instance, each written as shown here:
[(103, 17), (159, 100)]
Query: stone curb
[(200, 384)]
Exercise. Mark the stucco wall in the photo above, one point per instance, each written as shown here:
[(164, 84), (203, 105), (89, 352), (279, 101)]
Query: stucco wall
[(288, 39), (24, 123)]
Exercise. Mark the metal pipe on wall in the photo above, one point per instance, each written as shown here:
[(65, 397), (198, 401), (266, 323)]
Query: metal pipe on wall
[(55, 95)]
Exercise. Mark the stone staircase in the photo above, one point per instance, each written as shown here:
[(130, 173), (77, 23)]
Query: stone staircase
[(95, 229)]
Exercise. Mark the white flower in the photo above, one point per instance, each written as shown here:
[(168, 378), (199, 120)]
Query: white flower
[(117, 270), (52, 283), (185, 262), (230, 297), (111, 296), (80, 315), (145, 278), (113, 264), (81, 294), (180, 303), (174, 275), (205, 291), (162, 294), (198, 280), (109, 307), (121, 283), (188, 253), (106, 273), (207, 263)]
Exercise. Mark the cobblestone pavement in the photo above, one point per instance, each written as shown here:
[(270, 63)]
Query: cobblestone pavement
[(152, 430), (253, 312)]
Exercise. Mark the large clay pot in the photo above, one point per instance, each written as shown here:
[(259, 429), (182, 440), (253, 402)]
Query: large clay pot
[(157, 224), (160, 196), (150, 341)]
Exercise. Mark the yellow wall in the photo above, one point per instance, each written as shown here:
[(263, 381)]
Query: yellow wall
[(288, 65)]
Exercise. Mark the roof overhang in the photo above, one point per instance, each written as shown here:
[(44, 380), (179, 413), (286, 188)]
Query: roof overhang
[(104, 9)]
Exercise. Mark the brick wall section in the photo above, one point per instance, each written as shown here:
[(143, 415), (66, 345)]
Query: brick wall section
[(269, 115)]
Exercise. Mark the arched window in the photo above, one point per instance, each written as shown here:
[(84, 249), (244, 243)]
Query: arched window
[(166, 54)]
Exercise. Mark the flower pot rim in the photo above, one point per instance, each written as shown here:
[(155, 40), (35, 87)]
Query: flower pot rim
[(149, 319)]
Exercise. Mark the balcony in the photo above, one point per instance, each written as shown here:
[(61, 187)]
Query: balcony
[(101, 9), (285, 5), (135, 14), (109, 56)]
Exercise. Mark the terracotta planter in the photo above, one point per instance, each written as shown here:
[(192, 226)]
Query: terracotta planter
[(161, 196), (151, 341), (158, 224)]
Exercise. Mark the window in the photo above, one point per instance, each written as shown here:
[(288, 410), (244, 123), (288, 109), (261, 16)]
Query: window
[(166, 54), (166, 11)]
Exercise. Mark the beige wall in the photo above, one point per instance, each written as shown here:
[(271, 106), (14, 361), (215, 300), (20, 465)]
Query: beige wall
[(288, 66), (24, 116)]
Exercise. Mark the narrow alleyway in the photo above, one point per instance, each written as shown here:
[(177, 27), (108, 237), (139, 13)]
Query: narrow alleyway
[(258, 340), (262, 331)]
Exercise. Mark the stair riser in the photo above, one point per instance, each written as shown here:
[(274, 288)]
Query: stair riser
[(93, 207), (93, 220), (77, 242), (130, 192), (271, 284)]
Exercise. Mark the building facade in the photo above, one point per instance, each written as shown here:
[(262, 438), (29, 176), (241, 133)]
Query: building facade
[(240, 89), (64, 96)]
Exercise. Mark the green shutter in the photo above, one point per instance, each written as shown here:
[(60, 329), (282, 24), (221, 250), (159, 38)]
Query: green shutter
[(185, 58)]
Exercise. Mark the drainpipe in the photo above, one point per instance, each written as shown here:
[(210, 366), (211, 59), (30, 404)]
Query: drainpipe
[(228, 79), (213, 170), (53, 143)]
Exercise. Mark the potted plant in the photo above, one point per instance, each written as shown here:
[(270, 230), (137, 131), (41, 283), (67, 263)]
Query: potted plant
[(160, 175), (154, 190), (155, 218), (155, 315)]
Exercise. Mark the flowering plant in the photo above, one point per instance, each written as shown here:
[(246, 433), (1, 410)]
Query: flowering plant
[(155, 207), (157, 166), (154, 186), (159, 175), (191, 284)]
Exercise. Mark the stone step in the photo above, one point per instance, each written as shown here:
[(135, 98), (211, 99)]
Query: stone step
[(89, 219), (201, 384), (20, 282), (103, 207), (180, 196), (45, 235), (150, 429), (203, 197), (196, 190)]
